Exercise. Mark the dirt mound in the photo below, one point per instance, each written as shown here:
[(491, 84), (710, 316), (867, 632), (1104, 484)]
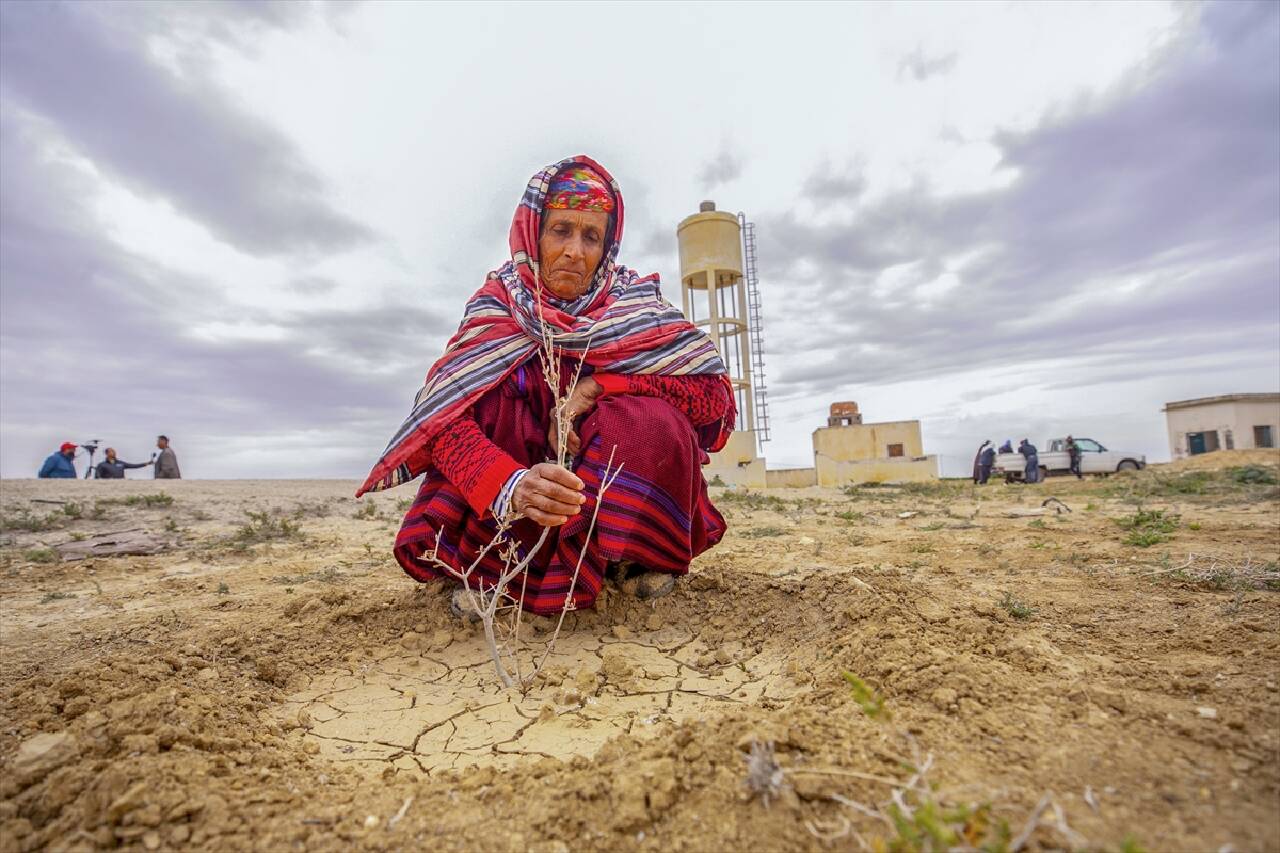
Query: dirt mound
[(1221, 459), (277, 683)]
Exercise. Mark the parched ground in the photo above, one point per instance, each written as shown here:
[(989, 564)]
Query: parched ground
[(935, 666)]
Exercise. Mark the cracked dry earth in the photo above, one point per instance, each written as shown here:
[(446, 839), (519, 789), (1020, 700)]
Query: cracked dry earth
[(276, 683)]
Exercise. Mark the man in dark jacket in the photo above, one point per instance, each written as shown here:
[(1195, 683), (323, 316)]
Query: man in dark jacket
[(1031, 474), (986, 459), (112, 468), (1073, 453), (59, 466), (167, 461), (977, 462)]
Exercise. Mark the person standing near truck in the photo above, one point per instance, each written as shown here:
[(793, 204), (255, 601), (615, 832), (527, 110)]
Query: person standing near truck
[(1031, 474), (1073, 453), (986, 459), (977, 462)]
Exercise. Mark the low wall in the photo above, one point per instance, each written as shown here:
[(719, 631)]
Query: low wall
[(791, 478), (831, 472)]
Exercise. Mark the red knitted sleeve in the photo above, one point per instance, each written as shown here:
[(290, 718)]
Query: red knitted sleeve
[(703, 399), (471, 462)]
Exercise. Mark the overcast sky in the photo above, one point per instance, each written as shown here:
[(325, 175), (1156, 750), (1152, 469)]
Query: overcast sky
[(253, 227)]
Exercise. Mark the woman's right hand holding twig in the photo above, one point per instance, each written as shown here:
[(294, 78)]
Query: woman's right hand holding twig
[(548, 494)]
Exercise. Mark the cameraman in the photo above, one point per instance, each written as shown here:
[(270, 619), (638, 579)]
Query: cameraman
[(112, 468), (59, 466)]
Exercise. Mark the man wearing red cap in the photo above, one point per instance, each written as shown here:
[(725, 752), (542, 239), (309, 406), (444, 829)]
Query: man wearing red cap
[(60, 465)]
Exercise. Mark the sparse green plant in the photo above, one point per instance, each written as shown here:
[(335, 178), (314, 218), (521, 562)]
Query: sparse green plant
[(716, 481), (753, 500), (927, 825), (1038, 545), (56, 596), (367, 510), (1195, 525), (868, 700), (40, 555), (1148, 527), (170, 525), (264, 527), (223, 589), (402, 505), (922, 548), (77, 537), (761, 532), (1091, 507), (850, 515), (986, 549), (933, 525), (1037, 523), (1016, 608), (1252, 475), (72, 510), (30, 522), (149, 501)]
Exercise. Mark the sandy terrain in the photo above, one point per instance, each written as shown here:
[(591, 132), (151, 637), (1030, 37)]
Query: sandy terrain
[(274, 682)]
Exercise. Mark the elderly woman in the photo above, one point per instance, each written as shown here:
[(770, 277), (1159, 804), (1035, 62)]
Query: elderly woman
[(653, 392)]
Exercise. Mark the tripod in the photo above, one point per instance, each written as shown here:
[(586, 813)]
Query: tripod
[(92, 447)]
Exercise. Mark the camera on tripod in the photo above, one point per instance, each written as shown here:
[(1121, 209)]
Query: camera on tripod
[(92, 447)]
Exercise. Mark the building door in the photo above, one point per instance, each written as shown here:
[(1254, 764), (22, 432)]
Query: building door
[(1202, 442)]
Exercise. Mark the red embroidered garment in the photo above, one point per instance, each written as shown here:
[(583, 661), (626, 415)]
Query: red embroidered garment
[(479, 468), (656, 514)]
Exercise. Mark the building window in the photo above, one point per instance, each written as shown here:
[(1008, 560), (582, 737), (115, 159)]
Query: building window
[(1230, 440), (895, 450), (1263, 437)]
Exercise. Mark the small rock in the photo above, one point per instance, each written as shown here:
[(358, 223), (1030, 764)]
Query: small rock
[(311, 747), (39, 755), (441, 638), (411, 640), (723, 657), (653, 622), (1207, 713), (616, 664), (622, 632), (546, 712), (207, 674), (944, 697), (586, 680), (371, 821), (126, 802), (141, 744)]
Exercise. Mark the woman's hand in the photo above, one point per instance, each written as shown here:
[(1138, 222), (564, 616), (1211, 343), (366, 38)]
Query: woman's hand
[(584, 396), (548, 494)]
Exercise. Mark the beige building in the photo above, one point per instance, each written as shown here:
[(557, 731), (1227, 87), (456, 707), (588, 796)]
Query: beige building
[(1228, 422), (847, 451)]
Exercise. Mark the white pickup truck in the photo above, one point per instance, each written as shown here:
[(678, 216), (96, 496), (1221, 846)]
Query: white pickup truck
[(1054, 460)]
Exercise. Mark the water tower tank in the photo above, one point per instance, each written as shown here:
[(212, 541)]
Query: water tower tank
[(714, 294)]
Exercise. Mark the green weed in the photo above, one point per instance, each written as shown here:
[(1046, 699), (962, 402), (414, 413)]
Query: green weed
[(223, 589), (56, 596), (40, 555), (871, 704), (264, 527), (366, 511), (1016, 608)]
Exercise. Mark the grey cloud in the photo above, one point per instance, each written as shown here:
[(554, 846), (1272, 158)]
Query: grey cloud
[(922, 67), (1174, 181), (179, 138), (828, 184), (721, 169)]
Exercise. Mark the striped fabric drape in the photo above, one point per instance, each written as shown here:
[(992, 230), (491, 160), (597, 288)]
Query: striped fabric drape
[(622, 323)]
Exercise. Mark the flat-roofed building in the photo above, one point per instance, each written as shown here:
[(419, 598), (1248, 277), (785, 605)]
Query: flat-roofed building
[(1226, 422)]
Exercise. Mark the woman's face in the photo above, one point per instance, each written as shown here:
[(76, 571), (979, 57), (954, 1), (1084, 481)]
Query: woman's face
[(570, 248)]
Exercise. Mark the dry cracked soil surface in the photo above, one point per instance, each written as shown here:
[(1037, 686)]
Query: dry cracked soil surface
[(899, 668)]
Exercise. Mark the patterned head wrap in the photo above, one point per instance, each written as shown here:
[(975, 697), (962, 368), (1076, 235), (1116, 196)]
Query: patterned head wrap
[(579, 189)]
